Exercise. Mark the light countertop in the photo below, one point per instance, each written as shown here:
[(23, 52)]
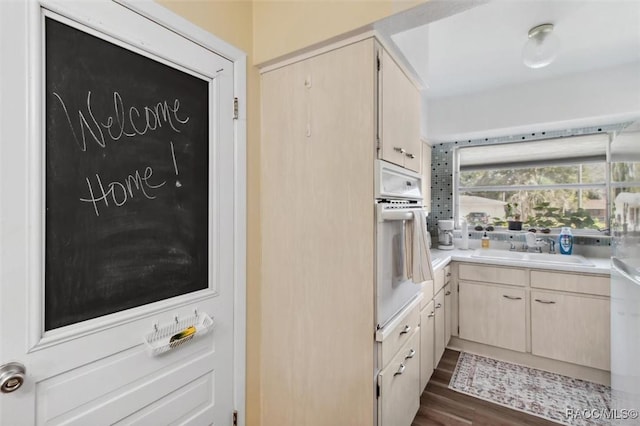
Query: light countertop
[(442, 257)]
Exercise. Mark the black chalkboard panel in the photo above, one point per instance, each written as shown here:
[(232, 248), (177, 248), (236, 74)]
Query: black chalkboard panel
[(127, 167)]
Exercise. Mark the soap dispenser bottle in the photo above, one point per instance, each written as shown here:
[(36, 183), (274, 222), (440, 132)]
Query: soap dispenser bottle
[(485, 241), (565, 240)]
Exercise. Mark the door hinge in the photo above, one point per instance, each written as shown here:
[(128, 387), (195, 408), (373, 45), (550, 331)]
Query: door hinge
[(377, 390), (458, 330), (235, 108), (235, 417), (378, 62)]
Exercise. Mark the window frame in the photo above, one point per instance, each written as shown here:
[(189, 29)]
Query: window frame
[(607, 185)]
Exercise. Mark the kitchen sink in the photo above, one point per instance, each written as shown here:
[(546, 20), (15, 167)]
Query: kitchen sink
[(558, 258), (531, 257), (498, 254)]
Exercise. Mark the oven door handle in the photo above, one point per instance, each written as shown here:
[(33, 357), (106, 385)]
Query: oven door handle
[(397, 215)]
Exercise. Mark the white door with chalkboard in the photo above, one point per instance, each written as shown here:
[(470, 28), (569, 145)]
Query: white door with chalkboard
[(121, 217)]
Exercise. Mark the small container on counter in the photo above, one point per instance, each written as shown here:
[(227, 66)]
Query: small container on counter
[(565, 240), (464, 230), (485, 241)]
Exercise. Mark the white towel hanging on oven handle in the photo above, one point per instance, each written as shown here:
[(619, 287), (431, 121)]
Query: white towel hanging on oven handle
[(421, 267)]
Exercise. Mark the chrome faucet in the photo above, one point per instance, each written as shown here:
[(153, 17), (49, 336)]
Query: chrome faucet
[(534, 244), (537, 248)]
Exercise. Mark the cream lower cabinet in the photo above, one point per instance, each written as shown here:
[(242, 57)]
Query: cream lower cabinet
[(447, 313), (493, 315), (571, 328), (439, 335), (399, 355), (448, 304), (570, 317), (435, 322), (400, 385), (427, 351), (562, 316), (442, 317)]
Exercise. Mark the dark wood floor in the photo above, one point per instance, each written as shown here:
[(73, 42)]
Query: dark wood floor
[(439, 405)]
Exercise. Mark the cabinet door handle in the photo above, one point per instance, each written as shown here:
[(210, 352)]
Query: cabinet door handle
[(400, 370), (448, 274), (410, 155), (511, 297), (447, 293), (412, 353), (400, 150), (439, 305), (546, 302), (431, 315), (406, 329)]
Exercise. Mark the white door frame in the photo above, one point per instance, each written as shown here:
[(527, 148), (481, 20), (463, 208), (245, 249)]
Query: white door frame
[(190, 31), (187, 29), (196, 34)]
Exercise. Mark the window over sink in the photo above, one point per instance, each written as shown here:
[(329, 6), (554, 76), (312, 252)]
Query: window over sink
[(541, 184)]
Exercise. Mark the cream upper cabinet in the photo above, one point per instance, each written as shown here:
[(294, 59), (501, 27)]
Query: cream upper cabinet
[(571, 328), (399, 115), (493, 315), (426, 175)]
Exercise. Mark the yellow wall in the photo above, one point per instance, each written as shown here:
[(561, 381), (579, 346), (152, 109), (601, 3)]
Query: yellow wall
[(230, 20), (282, 27), (267, 29)]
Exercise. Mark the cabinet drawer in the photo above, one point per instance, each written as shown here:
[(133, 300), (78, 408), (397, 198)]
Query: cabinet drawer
[(400, 385), (492, 274), (399, 333), (588, 284)]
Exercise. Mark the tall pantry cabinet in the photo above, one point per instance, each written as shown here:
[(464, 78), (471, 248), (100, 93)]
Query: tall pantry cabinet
[(319, 138), (318, 128)]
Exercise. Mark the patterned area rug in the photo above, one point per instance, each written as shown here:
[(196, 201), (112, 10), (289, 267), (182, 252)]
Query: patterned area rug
[(551, 396)]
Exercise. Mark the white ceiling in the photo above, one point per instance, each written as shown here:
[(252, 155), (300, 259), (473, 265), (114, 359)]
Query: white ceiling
[(481, 48)]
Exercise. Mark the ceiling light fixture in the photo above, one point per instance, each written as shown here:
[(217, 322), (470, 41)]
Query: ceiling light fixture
[(541, 48)]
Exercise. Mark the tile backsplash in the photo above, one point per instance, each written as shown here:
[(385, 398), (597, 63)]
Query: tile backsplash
[(442, 175)]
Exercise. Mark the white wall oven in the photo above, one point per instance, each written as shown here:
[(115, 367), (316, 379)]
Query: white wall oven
[(398, 195)]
